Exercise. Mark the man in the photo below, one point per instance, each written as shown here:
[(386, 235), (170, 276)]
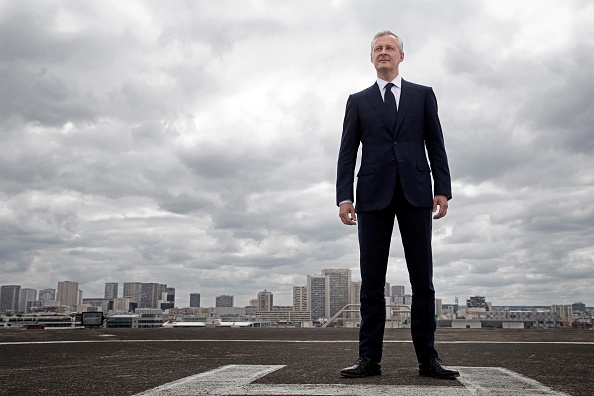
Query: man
[(396, 122)]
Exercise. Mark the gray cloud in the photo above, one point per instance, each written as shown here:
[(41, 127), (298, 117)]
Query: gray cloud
[(195, 144)]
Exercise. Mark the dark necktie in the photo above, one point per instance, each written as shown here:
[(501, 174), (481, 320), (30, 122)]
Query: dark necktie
[(390, 102)]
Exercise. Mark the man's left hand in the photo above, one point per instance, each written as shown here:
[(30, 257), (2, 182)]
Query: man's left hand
[(442, 202)]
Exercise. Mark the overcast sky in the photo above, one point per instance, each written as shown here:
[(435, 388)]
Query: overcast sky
[(194, 143)]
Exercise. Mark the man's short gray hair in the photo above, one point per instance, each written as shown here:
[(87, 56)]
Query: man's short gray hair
[(389, 33)]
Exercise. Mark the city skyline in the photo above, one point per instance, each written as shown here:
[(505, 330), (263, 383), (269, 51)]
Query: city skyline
[(180, 301), (195, 144)]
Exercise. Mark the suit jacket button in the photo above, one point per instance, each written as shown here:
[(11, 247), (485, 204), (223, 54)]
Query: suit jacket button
[(393, 161), (395, 142)]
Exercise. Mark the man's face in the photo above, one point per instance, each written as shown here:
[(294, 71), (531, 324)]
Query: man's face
[(385, 54)]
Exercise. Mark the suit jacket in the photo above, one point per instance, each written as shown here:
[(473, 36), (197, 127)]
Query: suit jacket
[(414, 148)]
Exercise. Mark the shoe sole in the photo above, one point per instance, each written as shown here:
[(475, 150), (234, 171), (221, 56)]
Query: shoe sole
[(346, 375), (450, 376)]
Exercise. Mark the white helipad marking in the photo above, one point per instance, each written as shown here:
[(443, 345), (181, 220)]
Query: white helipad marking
[(500, 381), (237, 380)]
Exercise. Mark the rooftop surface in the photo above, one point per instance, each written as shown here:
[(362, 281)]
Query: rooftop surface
[(271, 361)]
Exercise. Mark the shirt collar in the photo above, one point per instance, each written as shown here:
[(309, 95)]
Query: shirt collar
[(382, 84)]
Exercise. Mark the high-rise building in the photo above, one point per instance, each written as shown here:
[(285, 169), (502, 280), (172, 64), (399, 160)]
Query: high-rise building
[(122, 305), (111, 290), (355, 297), (68, 293), (397, 291), (355, 293), (318, 289), (438, 307), (26, 296), (194, 300), (163, 292), (387, 291), (265, 301), (224, 301), (476, 302), (149, 295), (133, 290), (340, 283), (299, 298), (578, 307), (169, 299), (9, 298), (565, 313), (47, 294)]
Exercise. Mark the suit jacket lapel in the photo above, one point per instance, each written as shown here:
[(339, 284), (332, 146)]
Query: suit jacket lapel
[(375, 97), (406, 95)]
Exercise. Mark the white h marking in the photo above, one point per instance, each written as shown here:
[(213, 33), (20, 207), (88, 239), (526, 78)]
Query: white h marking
[(237, 379)]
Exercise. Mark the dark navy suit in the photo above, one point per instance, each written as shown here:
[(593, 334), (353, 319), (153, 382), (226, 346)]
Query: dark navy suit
[(398, 163)]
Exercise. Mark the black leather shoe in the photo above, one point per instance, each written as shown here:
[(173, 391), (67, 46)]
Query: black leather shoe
[(363, 367), (437, 369)]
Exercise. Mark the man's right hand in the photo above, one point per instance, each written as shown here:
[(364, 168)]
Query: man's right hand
[(347, 214)]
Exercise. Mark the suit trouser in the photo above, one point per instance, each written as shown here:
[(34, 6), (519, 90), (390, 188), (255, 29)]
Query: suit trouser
[(375, 233)]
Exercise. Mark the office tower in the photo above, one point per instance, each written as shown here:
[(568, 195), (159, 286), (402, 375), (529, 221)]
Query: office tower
[(398, 296), (565, 312), (162, 292), (133, 290), (47, 294), (397, 291), (355, 293), (476, 302), (254, 303), (578, 307), (162, 297), (438, 307), (80, 297), (149, 295), (224, 301), (340, 283), (194, 300), (355, 297), (26, 296), (9, 298), (387, 291), (123, 304), (318, 288), (299, 298), (169, 299), (111, 290), (264, 301), (67, 293)]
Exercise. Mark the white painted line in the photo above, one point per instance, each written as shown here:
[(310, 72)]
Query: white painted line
[(294, 342), (499, 381), (237, 380), (347, 390), (226, 378)]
